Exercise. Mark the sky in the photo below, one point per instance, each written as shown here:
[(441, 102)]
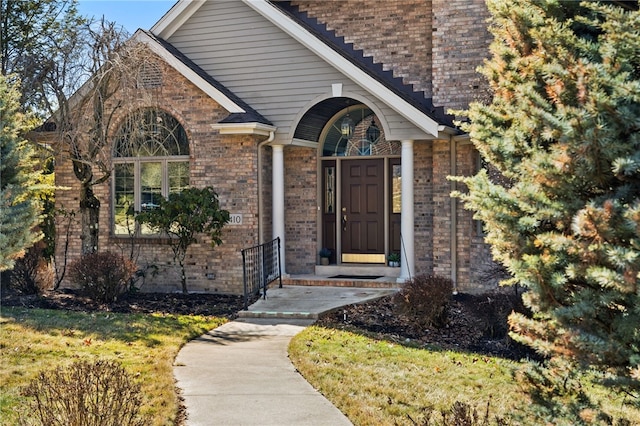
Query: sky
[(131, 14)]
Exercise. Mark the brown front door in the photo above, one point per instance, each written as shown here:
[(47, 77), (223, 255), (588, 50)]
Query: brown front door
[(362, 215)]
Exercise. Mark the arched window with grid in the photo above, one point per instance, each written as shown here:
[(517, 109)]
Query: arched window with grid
[(150, 160)]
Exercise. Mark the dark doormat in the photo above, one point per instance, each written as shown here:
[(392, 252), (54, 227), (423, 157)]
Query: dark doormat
[(358, 277)]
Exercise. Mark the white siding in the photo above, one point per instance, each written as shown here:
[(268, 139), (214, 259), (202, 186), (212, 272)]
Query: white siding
[(265, 67)]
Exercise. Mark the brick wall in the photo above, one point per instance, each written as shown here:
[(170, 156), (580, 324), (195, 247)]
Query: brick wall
[(472, 255), (67, 226), (423, 206), (301, 208), (227, 163), (435, 45), (441, 209), (460, 43), (300, 187), (396, 33)]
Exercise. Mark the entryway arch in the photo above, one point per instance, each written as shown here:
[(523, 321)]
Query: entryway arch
[(359, 187)]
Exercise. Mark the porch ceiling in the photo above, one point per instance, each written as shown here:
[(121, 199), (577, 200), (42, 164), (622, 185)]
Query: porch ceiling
[(314, 120)]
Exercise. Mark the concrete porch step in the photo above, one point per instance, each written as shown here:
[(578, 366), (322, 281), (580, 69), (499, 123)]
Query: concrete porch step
[(348, 275), (357, 269), (315, 280), (278, 315), (308, 302)]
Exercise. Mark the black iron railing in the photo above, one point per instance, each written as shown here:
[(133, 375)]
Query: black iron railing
[(261, 266)]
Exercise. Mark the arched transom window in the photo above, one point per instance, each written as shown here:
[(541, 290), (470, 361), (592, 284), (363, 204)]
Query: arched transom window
[(151, 160), (356, 131)]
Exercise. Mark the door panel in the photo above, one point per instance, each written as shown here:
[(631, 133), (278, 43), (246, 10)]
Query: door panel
[(355, 200), (373, 237), (355, 230), (362, 210), (373, 198)]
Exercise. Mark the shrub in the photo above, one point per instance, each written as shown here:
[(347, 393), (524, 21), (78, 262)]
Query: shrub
[(460, 414), (425, 298), (102, 276), (86, 393), (184, 215), (493, 309), (31, 273)]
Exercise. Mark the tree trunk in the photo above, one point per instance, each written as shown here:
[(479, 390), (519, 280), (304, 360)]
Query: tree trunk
[(183, 276), (90, 215)]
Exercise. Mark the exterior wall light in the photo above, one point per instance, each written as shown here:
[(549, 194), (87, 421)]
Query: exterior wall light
[(373, 133), (346, 127)]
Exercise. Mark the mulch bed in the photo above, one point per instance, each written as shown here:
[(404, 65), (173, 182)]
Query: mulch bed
[(166, 303), (476, 324)]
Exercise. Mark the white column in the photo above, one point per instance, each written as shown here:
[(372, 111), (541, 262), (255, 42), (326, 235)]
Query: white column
[(407, 254), (278, 200)]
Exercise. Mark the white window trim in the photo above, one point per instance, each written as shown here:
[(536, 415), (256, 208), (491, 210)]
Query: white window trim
[(137, 190)]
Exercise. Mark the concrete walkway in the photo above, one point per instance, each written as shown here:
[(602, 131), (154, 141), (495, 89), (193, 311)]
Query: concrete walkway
[(240, 373)]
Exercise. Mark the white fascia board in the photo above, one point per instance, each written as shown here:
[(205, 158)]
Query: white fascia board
[(446, 130), (304, 142), (244, 129), (464, 139), (188, 73), (364, 80), (177, 15)]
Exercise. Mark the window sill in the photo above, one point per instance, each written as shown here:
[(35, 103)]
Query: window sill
[(147, 239)]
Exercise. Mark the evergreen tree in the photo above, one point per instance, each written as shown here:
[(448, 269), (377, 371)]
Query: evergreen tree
[(563, 132), (35, 35), (19, 212)]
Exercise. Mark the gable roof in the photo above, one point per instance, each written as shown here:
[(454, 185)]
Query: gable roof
[(381, 89), (314, 36), (366, 63), (241, 116)]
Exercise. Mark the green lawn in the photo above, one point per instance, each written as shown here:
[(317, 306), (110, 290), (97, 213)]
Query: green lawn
[(372, 381), (377, 382), (32, 340)]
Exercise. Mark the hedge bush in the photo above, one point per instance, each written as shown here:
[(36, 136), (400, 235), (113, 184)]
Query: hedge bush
[(425, 298), (102, 276)]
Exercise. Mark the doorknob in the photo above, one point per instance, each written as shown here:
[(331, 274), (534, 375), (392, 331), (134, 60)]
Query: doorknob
[(344, 222)]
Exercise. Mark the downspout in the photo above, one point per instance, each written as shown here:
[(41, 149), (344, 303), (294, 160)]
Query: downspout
[(453, 241), (272, 136)]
